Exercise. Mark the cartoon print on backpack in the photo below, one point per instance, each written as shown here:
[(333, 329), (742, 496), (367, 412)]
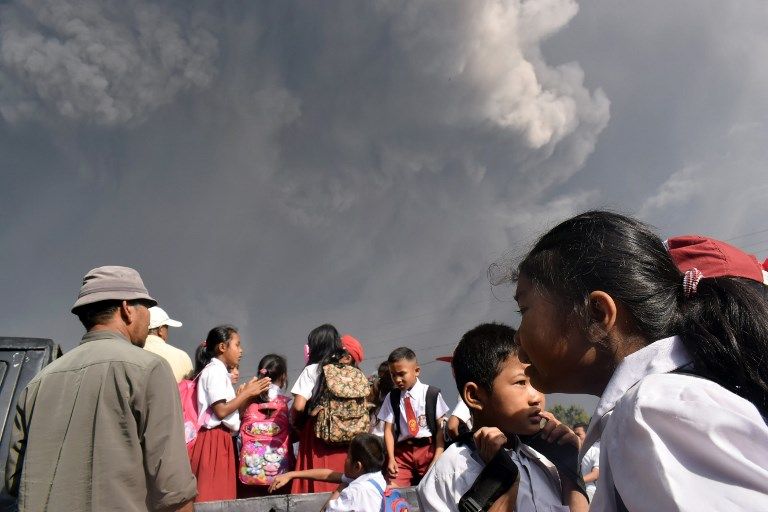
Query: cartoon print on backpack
[(266, 450)]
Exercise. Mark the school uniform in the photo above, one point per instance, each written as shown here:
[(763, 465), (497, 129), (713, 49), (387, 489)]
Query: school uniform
[(314, 452), (590, 461), (212, 456), (670, 441), (413, 453), (361, 495), (457, 469), (461, 411)]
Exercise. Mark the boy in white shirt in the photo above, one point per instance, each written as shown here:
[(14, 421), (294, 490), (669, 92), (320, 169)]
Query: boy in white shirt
[(362, 480), (503, 404), (412, 414)]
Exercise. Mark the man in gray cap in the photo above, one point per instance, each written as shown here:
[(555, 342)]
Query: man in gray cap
[(100, 428), (157, 343)]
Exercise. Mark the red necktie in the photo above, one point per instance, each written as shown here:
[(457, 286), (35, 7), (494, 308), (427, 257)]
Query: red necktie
[(410, 416)]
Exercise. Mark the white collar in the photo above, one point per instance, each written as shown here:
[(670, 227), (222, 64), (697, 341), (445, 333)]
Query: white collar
[(216, 360), (661, 356), (376, 475), (415, 389)]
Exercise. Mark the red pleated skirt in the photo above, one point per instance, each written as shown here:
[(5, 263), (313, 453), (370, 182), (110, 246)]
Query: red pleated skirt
[(313, 454), (212, 458)]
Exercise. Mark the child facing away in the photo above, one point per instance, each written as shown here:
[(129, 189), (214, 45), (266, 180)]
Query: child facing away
[(265, 432), (503, 405), (412, 414), (212, 456), (362, 480)]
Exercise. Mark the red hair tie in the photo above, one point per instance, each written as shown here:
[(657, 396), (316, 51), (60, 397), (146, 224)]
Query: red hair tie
[(691, 280)]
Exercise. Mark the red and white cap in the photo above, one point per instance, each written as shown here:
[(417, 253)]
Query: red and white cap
[(714, 258)]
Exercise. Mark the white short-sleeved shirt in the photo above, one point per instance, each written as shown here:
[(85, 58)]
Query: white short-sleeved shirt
[(305, 384), (457, 469), (418, 394), (360, 495), (214, 385), (676, 442), (461, 411), (590, 461)]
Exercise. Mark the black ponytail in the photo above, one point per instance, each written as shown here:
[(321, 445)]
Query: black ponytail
[(725, 330), (207, 350), (724, 326)]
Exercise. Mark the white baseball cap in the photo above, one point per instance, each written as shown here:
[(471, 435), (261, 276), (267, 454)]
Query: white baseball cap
[(158, 318)]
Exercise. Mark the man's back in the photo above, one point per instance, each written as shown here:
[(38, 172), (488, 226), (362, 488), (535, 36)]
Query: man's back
[(101, 430), (180, 362)]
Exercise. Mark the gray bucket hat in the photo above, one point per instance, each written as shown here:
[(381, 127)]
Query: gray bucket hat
[(112, 283)]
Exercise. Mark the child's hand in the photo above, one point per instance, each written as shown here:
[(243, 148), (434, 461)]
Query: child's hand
[(392, 468), (279, 481), (255, 386), (240, 389), (489, 440), (556, 432)]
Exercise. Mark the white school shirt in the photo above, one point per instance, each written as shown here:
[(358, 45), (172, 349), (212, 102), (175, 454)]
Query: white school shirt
[(305, 384), (676, 442), (214, 385), (461, 411), (360, 495), (457, 469), (418, 394), (590, 461)]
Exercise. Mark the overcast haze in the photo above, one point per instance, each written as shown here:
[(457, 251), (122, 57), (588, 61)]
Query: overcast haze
[(277, 165)]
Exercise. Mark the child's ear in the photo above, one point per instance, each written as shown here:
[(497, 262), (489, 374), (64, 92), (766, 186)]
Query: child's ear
[(220, 348), (602, 310), (417, 370), (357, 467), (474, 396)]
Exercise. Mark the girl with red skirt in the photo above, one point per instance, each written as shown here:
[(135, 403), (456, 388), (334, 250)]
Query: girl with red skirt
[(322, 342), (212, 455)]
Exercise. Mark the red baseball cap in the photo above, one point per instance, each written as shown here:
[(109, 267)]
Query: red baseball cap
[(354, 347), (713, 258), (765, 264), (447, 359)]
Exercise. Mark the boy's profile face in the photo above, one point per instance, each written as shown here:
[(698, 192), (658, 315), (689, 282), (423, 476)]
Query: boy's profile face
[(404, 373), (513, 405)]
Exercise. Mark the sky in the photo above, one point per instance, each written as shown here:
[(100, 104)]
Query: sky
[(277, 165)]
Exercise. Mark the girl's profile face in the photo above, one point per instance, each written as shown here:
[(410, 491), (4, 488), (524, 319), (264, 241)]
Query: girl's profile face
[(232, 352), (554, 346)]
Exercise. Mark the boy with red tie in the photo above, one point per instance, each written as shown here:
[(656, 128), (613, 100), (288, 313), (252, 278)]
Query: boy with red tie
[(412, 414)]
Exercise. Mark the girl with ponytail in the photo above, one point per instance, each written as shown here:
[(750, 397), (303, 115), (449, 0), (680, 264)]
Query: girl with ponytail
[(679, 359)]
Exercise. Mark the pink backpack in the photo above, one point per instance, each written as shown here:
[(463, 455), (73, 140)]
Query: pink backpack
[(192, 420), (265, 433)]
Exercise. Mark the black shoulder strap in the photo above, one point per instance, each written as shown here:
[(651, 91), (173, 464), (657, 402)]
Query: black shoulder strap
[(394, 401), (494, 480), (430, 409)]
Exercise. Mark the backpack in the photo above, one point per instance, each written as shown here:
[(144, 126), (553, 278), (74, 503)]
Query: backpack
[(192, 423), (392, 500), (343, 405), (265, 433), (430, 409)]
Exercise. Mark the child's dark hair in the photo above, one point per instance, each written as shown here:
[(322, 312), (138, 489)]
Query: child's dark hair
[(207, 351), (401, 353), (724, 325), (273, 366), (322, 341), (481, 353), (580, 424), (368, 450)]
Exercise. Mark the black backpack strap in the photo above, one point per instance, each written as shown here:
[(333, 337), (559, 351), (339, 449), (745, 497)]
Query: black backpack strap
[(494, 480), (430, 409), (565, 457), (394, 401)]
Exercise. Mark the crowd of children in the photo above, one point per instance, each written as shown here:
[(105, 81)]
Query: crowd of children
[(500, 449)]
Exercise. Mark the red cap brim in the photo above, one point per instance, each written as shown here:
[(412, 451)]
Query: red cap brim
[(447, 359)]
